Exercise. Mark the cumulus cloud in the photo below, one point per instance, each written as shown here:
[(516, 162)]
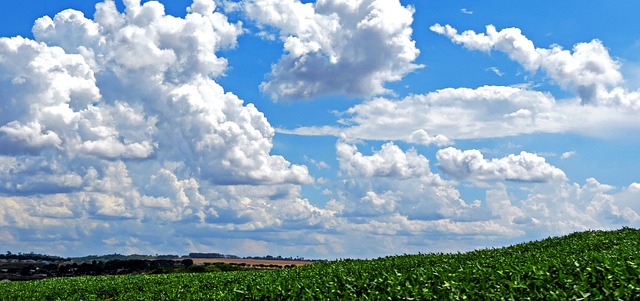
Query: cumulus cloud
[(116, 137), (155, 92), (120, 118), (421, 136), (627, 199), (397, 209), (588, 70), (393, 182), (453, 113), (337, 46), (471, 165), (381, 196), (394, 208), (602, 107), (390, 161), (564, 208)]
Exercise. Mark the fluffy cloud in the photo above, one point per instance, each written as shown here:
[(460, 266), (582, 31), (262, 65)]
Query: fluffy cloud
[(390, 161), (397, 207), (588, 70), (567, 155), (155, 92), (40, 87), (453, 113), (471, 165), (603, 105), (457, 113), (484, 112), (115, 137), (115, 126), (328, 48), (627, 198), (564, 208), (393, 182)]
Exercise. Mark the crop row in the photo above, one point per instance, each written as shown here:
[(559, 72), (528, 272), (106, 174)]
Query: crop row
[(583, 265)]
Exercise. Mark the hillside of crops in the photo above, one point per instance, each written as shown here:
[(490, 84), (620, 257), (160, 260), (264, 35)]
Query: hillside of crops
[(583, 265)]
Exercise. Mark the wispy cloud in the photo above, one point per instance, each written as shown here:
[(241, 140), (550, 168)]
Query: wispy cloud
[(567, 155), (495, 70)]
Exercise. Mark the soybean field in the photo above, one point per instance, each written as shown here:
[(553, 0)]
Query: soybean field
[(587, 265)]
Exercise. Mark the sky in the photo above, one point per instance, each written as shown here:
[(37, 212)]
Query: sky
[(316, 129)]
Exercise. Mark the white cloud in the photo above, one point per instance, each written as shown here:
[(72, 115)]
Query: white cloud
[(627, 199), (483, 112), (496, 71), (421, 136), (567, 155), (602, 108), (462, 113), (318, 164), (549, 209), (588, 70), (120, 118), (556, 209), (471, 165), (115, 137), (328, 46), (392, 181), (163, 97), (390, 161)]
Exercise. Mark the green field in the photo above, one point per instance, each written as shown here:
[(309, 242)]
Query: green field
[(585, 265)]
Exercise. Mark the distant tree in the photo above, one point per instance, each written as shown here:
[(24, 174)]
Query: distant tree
[(197, 269), (26, 270), (187, 263)]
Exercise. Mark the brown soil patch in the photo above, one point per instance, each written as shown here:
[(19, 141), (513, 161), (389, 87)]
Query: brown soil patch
[(250, 261)]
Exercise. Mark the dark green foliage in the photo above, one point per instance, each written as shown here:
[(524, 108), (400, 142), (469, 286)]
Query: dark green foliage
[(187, 262), (587, 265), (30, 256)]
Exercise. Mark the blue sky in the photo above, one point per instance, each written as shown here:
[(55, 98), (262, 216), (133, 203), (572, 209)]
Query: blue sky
[(326, 130)]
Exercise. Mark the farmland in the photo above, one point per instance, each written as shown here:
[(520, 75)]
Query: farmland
[(252, 262), (30, 266), (582, 265)]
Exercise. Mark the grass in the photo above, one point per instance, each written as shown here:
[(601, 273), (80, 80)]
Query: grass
[(581, 266)]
